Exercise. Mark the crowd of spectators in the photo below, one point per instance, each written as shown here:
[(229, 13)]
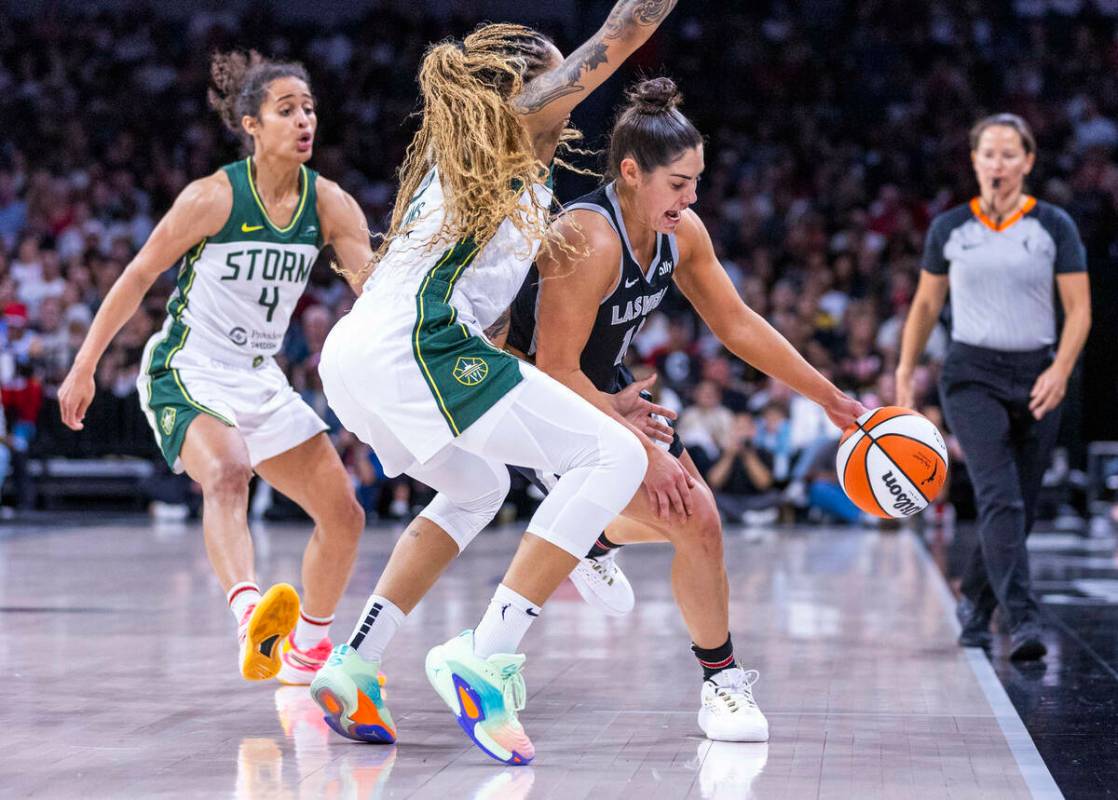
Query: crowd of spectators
[(836, 131)]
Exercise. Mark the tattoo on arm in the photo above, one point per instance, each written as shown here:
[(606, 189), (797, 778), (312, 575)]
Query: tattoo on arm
[(626, 19), (500, 328)]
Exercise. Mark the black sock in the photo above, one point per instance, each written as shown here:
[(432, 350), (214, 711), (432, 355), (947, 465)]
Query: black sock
[(602, 546), (715, 660)]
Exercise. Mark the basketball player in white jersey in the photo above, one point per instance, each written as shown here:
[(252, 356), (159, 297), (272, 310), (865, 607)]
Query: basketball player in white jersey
[(411, 372), (577, 314), (246, 238)]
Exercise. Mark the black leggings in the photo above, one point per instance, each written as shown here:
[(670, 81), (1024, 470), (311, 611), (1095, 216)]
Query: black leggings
[(986, 401)]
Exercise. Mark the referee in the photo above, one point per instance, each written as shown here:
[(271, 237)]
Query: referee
[(1003, 379)]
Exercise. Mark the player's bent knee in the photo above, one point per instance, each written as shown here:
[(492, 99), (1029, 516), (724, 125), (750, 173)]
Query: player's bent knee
[(462, 520), (703, 533), (622, 450), (226, 478)]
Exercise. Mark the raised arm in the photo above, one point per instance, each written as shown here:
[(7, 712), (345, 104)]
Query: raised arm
[(549, 98), (745, 333), (199, 211), (345, 228)]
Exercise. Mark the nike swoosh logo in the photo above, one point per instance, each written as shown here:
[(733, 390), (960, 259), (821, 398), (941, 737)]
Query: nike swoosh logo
[(531, 613), (246, 228), (632, 283), (972, 246)]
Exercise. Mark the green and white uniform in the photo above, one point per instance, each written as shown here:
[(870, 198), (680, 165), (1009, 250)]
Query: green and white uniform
[(225, 322), (412, 350)]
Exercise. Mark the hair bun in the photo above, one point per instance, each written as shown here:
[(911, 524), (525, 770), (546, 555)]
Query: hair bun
[(654, 96)]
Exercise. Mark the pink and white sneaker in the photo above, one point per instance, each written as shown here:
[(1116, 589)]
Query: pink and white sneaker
[(299, 666)]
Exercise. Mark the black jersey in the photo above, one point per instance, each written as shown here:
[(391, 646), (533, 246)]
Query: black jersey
[(620, 315)]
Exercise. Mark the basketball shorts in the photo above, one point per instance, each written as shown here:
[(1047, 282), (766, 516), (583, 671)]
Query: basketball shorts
[(256, 400)]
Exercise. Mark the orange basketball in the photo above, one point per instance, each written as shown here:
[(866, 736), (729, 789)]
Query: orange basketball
[(892, 462)]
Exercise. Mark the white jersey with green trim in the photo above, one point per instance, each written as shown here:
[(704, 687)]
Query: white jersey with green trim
[(489, 279), (237, 289)]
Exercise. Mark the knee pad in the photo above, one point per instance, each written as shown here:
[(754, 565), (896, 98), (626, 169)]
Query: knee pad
[(463, 519)]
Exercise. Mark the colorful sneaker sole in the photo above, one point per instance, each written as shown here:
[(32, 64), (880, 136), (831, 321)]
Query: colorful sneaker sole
[(363, 724), (273, 619), (471, 714)]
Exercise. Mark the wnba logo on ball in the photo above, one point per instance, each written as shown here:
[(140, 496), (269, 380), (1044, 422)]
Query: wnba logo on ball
[(903, 502)]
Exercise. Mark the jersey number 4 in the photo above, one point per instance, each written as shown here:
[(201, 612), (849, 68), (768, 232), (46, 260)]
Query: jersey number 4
[(269, 301)]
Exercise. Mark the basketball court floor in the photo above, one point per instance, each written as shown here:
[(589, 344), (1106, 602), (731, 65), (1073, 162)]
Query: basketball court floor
[(120, 680)]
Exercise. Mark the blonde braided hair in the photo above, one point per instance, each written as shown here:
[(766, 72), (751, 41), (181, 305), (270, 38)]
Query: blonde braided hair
[(484, 154)]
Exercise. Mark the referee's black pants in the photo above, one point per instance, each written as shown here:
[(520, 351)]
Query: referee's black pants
[(986, 401)]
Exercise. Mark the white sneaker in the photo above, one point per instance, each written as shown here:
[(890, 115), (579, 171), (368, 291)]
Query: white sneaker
[(729, 712), (603, 585)]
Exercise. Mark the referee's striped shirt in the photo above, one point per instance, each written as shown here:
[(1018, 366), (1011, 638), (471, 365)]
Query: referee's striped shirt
[(1002, 277)]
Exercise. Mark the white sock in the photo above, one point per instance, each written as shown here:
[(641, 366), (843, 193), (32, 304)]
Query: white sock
[(505, 622), (378, 624), (240, 597), (309, 630)]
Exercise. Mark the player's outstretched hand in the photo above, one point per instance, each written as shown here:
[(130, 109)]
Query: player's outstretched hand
[(642, 413), (844, 411), (668, 485), (74, 397)]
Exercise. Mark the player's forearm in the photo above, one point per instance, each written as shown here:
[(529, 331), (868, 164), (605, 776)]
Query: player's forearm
[(119, 305), (756, 342)]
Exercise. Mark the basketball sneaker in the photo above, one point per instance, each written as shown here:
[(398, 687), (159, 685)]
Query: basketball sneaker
[(729, 712), (348, 689), (484, 695), (262, 629), (603, 585), (300, 666)]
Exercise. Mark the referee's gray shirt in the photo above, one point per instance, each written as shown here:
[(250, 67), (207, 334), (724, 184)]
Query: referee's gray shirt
[(1002, 278)]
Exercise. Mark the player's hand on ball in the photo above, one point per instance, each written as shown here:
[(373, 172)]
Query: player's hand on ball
[(843, 411), (74, 397)]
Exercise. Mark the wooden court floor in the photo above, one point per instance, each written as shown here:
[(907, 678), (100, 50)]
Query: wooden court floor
[(119, 658)]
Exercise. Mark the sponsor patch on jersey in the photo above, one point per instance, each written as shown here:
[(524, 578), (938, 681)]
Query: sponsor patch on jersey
[(470, 371), (238, 336), (167, 421), (666, 267)]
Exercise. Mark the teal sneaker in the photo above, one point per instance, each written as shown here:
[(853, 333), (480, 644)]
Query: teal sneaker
[(484, 694), (348, 689)]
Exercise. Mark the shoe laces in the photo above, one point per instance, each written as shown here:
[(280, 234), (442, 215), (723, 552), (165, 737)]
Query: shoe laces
[(606, 566), (740, 693), (513, 690)]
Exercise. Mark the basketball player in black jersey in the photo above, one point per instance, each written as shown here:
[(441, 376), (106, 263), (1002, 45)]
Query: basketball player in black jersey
[(576, 316)]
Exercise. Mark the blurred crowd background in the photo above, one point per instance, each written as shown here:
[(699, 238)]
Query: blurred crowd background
[(836, 131)]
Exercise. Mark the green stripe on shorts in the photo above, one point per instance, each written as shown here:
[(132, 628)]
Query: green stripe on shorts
[(466, 375)]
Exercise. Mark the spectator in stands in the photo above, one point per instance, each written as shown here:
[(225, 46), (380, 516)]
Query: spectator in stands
[(742, 478), (774, 437), (705, 425)]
